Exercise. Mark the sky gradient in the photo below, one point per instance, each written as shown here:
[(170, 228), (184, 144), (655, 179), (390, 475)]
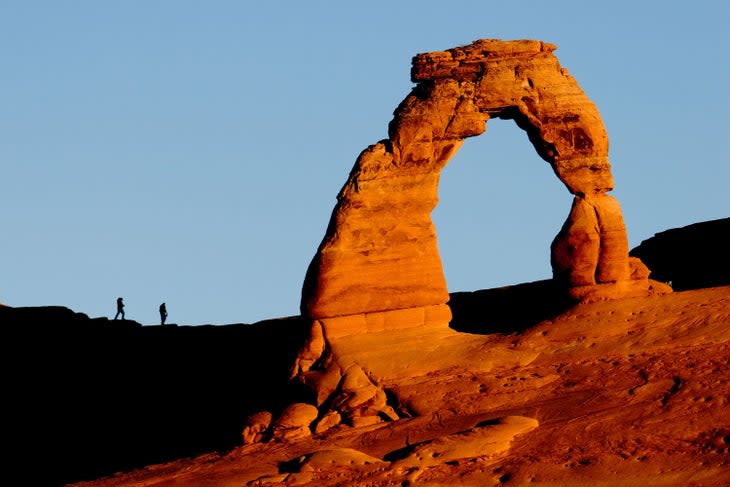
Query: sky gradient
[(191, 152)]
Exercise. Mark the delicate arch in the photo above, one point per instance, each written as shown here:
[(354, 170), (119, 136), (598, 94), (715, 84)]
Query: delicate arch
[(380, 251)]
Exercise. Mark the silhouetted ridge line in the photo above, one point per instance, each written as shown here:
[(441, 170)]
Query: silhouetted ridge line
[(692, 257), (106, 396)]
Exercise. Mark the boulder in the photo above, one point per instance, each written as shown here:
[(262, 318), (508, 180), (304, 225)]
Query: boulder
[(359, 401), (294, 421), (255, 427)]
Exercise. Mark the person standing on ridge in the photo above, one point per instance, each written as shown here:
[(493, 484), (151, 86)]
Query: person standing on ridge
[(120, 308), (163, 313)]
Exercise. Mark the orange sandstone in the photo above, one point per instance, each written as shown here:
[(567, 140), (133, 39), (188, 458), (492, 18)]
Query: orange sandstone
[(380, 250), (377, 275)]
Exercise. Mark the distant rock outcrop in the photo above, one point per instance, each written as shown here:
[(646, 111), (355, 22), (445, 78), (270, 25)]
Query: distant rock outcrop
[(691, 257)]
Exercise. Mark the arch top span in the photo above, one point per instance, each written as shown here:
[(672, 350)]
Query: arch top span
[(523, 80), (380, 251)]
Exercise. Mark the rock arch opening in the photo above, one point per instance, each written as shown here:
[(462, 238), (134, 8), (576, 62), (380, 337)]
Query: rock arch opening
[(499, 208)]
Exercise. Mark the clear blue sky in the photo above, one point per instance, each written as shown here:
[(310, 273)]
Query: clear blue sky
[(190, 152)]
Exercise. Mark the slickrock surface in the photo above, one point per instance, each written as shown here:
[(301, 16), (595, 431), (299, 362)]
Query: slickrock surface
[(380, 251), (623, 392)]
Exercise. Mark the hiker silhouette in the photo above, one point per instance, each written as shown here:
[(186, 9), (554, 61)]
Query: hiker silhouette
[(120, 308), (163, 313)]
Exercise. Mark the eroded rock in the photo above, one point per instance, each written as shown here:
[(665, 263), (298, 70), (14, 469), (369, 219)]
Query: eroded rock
[(328, 421), (358, 401), (310, 352), (294, 421), (380, 251), (591, 248), (255, 427)]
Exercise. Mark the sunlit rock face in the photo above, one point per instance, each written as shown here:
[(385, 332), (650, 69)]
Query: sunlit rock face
[(380, 250)]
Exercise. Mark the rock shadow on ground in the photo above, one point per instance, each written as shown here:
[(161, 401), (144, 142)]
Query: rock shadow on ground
[(509, 309)]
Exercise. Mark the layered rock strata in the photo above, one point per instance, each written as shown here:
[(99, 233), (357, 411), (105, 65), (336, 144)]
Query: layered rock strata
[(380, 250)]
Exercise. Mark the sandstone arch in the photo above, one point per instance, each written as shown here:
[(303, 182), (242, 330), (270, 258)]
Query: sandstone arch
[(380, 250)]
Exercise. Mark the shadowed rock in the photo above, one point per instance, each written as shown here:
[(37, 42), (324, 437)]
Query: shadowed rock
[(691, 257), (100, 396)]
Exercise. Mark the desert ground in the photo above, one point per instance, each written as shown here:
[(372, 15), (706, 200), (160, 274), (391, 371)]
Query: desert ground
[(615, 393)]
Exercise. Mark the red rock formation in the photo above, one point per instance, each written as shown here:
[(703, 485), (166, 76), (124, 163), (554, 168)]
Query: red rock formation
[(376, 282), (380, 251)]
